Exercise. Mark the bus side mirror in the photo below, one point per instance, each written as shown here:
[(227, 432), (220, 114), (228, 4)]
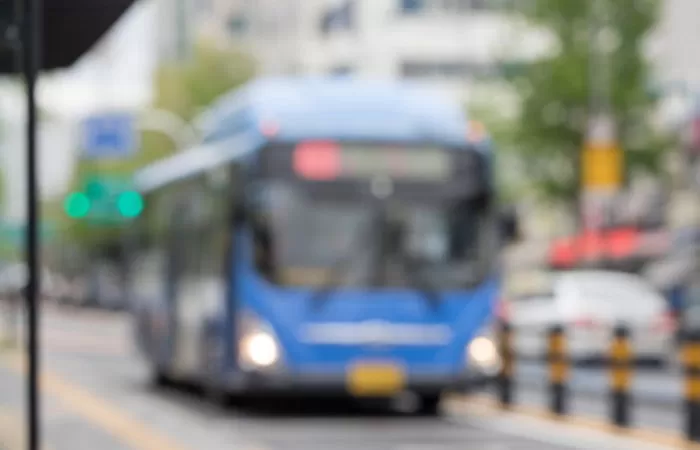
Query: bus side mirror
[(509, 226)]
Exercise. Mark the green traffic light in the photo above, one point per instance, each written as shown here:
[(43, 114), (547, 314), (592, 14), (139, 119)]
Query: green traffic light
[(77, 205), (130, 204), (95, 189)]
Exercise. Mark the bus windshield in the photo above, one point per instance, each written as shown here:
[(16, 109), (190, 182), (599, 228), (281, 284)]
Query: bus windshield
[(311, 234)]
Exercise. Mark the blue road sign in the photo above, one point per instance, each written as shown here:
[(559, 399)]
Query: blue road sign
[(112, 135)]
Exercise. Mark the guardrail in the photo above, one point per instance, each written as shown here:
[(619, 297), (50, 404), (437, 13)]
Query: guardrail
[(619, 367)]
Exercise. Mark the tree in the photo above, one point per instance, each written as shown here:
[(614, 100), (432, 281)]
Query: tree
[(184, 89), (187, 89), (554, 92)]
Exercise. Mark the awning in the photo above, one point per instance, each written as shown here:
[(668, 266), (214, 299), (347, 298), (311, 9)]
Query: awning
[(608, 245), (70, 29)]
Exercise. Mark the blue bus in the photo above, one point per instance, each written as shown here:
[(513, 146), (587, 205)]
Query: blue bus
[(329, 235)]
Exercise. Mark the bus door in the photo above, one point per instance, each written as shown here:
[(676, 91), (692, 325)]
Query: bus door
[(178, 262), (199, 294)]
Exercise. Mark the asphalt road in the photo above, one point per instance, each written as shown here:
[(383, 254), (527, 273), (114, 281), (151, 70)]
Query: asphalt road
[(97, 397)]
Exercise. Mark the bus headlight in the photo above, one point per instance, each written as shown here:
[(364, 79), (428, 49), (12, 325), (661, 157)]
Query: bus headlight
[(258, 347), (483, 356)]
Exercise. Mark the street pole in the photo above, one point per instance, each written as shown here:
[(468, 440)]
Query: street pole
[(600, 68), (182, 134), (602, 164), (31, 57), (182, 30)]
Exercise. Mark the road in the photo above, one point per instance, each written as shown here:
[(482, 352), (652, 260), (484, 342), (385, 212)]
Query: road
[(97, 397)]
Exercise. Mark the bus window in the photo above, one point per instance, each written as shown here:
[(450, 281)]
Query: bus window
[(310, 234)]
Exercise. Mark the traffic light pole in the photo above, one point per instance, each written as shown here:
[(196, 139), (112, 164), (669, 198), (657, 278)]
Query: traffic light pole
[(31, 37)]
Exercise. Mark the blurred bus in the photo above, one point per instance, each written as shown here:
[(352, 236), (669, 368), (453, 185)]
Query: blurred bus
[(329, 235)]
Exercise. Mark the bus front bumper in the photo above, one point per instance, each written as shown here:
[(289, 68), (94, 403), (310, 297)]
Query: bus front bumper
[(309, 383)]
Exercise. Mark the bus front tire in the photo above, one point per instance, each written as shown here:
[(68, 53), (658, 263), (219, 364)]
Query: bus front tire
[(218, 397), (212, 391), (429, 405)]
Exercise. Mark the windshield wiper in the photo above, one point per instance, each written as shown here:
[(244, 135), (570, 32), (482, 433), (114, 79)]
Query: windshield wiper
[(342, 264), (393, 243), (416, 278), (359, 243)]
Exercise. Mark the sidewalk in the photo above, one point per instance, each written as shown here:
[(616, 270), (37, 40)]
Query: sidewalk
[(11, 436), (11, 324)]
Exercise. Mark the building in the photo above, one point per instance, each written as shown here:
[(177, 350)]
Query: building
[(116, 74), (451, 43), (460, 45), (674, 49), (173, 29), (447, 43)]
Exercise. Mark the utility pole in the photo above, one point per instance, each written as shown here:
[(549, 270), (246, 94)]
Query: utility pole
[(182, 30), (20, 35), (602, 162), (31, 38)]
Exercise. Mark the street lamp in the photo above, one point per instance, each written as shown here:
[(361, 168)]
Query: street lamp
[(181, 133)]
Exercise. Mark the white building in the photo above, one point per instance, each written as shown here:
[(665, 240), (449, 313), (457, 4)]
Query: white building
[(448, 43), (451, 43), (116, 74), (675, 50)]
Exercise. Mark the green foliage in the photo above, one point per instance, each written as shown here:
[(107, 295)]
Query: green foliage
[(2, 189), (510, 184), (186, 89), (183, 89), (554, 94)]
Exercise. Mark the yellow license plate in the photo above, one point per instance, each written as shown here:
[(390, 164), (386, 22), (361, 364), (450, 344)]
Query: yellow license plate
[(365, 380)]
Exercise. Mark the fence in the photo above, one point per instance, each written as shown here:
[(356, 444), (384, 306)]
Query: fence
[(620, 366)]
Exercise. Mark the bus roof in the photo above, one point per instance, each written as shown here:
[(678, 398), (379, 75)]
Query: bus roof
[(338, 108), (303, 108)]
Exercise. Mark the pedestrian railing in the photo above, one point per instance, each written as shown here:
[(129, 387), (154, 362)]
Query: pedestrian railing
[(619, 365)]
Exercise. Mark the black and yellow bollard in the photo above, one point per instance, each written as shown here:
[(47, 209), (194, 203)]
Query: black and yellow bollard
[(620, 376), (691, 361), (558, 370), (505, 377)]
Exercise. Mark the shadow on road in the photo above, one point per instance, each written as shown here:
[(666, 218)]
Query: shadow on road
[(279, 407)]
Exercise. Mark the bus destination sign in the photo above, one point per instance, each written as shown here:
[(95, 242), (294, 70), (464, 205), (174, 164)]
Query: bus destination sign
[(327, 161)]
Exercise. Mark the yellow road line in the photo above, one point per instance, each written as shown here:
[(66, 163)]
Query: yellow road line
[(488, 406), (100, 413)]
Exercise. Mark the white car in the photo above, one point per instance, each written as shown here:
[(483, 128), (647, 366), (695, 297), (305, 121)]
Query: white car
[(589, 304)]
